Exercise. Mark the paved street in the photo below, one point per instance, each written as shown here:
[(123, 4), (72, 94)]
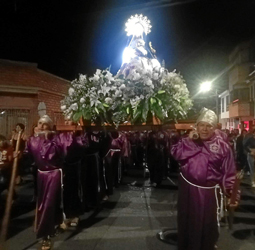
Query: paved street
[(130, 219)]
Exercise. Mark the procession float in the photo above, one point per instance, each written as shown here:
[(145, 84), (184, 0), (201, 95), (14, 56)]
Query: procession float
[(143, 92)]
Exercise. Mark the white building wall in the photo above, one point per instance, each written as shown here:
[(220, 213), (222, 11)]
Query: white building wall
[(224, 111)]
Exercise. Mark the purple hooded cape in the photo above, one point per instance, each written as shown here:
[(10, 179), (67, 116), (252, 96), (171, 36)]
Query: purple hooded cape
[(48, 159), (203, 163), (73, 154)]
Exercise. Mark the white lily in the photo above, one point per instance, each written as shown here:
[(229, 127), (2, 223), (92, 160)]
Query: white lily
[(98, 71), (74, 106), (104, 90), (109, 76), (71, 91), (108, 100), (63, 107)]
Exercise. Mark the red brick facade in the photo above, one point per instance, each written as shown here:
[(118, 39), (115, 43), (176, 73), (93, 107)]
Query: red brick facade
[(22, 87), (242, 109)]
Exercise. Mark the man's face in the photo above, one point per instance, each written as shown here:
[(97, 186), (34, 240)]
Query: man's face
[(45, 127), (18, 128), (42, 126), (205, 130)]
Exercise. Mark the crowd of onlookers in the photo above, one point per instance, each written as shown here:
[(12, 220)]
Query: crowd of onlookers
[(243, 146)]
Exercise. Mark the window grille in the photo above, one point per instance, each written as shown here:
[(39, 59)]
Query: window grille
[(222, 105), (227, 102), (10, 117)]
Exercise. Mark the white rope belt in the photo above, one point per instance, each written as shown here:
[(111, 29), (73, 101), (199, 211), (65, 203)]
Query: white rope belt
[(112, 150), (219, 211), (49, 171)]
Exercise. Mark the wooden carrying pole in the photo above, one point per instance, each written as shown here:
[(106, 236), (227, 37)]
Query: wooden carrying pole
[(6, 217)]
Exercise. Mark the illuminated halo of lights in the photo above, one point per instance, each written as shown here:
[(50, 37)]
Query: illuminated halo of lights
[(138, 24)]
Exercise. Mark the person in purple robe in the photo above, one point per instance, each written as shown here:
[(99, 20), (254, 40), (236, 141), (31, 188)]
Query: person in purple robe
[(48, 156), (112, 168), (207, 169), (72, 194), (126, 153), (92, 171)]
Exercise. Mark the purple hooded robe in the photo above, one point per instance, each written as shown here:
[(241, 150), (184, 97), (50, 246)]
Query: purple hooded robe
[(48, 159), (72, 191), (205, 164), (65, 139)]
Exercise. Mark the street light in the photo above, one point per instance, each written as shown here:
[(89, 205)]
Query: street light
[(207, 86)]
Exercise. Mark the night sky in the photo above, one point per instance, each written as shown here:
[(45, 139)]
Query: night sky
[(66, 38)]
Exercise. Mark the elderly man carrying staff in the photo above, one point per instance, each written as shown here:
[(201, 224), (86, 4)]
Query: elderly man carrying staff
[(48, 157), (207, 169)]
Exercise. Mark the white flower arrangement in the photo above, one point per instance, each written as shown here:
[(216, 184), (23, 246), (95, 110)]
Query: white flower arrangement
[(140, 88)]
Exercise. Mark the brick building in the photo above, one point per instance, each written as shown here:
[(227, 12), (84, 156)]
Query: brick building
[(27, 92), (237, 103), (241, 107)]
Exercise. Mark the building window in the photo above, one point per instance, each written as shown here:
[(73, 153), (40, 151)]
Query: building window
[(222, 105), (243, 94), (253, 93), (227, 102), (234, 95), (240, 94), (10, 117)]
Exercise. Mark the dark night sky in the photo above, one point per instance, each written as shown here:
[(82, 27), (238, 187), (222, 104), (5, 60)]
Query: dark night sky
[(78, 36)]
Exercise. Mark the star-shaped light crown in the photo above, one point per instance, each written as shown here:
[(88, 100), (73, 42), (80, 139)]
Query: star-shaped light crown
[(138, 24)]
